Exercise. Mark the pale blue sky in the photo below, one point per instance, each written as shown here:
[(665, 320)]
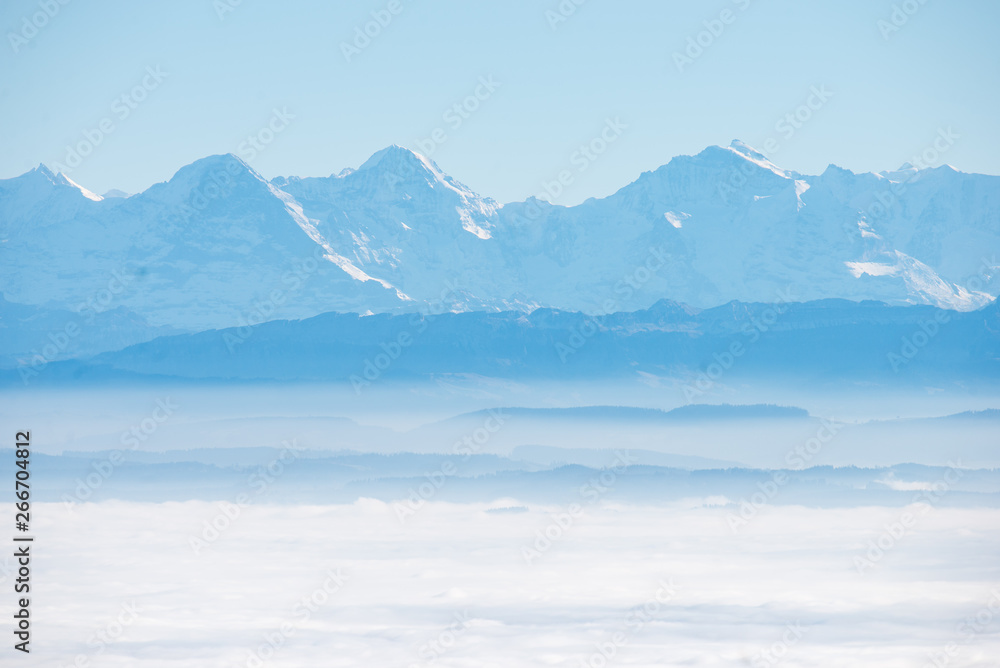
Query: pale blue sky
[(557, 87)]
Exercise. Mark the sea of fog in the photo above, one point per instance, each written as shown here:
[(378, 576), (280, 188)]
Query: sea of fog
[(123, 584), (231, 525)]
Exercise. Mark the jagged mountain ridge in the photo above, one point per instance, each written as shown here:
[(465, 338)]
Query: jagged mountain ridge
[(218, 245)]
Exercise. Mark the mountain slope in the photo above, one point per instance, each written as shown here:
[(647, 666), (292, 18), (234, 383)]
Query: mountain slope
[(831, 341), (218, 245), (401, 218), (215, 246)]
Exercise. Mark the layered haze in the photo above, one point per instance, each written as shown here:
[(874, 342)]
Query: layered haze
[(728, 414)]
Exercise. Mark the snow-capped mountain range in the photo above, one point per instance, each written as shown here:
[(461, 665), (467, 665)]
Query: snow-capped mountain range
[(218, 245)]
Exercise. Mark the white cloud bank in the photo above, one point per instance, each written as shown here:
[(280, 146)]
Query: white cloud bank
[(119, 584)]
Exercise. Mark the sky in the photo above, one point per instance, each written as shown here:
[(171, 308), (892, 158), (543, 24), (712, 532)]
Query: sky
[(145, 88)]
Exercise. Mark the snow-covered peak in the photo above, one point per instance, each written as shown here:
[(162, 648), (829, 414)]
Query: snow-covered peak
[(393, 156), (758, 158), (33, 182), (833, 170), (214, 164), (396, 165), (210, 179), (40, 185), (726, 223), (44, 171), (65, 180), (724, 159), (42, 176), (716, 175), (905, 172), (747, 150)]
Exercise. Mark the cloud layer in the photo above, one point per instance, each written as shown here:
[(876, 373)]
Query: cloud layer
[(196, 583)]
